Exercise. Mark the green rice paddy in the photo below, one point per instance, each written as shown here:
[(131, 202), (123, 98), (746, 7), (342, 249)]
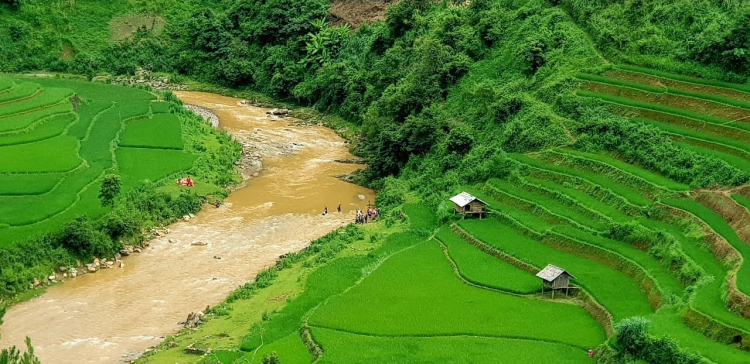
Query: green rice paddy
[(163, 131), (54, 149), (721, 227), (423, 290), (483, 269), (407, 292), (609, 162), (605, 284), (352, 348)]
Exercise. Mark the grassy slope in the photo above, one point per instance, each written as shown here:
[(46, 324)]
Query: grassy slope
[(667, 322)]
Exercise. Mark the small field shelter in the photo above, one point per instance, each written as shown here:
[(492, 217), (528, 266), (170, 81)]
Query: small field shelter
[(466, 204), (554, 278)]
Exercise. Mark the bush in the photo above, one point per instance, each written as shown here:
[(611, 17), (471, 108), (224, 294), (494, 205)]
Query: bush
[(634, 341), (272, 358), (15, 356), (83, 238)]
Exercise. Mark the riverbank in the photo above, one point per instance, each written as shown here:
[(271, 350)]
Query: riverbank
[(226, 325), (115, 315)]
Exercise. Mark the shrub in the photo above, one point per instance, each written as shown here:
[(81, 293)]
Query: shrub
[(83, 238), (633, 340), (272, 358), (15, 356)]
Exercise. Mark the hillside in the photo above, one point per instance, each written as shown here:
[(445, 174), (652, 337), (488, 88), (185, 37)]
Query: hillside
[(608, 138)]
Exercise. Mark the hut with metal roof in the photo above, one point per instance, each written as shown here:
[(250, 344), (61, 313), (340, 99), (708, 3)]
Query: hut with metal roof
[(466, 204), (554, 278)]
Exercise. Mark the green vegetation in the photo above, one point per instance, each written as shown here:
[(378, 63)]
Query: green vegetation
[(46, 129), (50, 97), (477, 267), (545, 205), (56, 158), (146, 165), (738, 162), (683, 78), (605, 284), (420, 217), (161, 132), (695, 134), (53, 155), (664, 89), (20, 92), (353, 348), (19, 123), (660, 108), (667, 323), (742, 200), (614, 163), (721, 227), (28, 184), (435, 97), (573, 196), (634, 340), (660, 274), (430, 287), (628, 194)]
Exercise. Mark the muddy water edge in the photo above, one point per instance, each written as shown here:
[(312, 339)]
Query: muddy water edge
[(116, 314)]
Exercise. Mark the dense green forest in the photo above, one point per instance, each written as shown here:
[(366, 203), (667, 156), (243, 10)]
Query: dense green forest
[(401, 79), (598, 131)]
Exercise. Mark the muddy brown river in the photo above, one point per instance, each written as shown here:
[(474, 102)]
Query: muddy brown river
[(114, 315)]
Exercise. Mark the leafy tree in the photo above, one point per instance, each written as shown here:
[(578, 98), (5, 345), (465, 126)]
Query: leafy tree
[(111, 186)]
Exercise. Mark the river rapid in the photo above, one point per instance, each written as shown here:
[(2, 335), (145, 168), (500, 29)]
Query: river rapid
[(116, 314)]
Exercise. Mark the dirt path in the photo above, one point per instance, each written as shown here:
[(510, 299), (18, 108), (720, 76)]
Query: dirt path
[(114, 315)]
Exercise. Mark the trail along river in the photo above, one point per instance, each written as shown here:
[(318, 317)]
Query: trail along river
[(116, 314)]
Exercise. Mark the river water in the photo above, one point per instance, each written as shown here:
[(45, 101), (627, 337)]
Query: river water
[(115, 315)]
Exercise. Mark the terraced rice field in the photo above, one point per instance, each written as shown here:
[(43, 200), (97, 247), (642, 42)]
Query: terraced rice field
[(59, 137), (638, 242), (464, 290)]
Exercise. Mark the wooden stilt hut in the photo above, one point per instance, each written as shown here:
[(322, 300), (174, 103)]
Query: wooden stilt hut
[(554, 278), (466, 204)]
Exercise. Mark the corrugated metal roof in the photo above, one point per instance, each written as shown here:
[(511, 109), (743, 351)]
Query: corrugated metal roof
[(551, 272), (464, 198)]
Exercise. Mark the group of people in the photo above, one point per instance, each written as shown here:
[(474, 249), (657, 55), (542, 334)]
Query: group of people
[(187, 182), (370, 215), (363, 217)]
